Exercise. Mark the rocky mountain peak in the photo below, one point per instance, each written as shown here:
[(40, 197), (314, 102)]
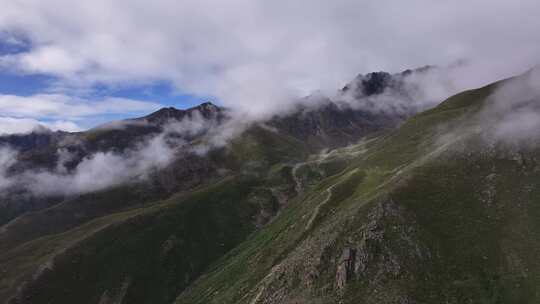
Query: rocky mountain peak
[(207, 110)]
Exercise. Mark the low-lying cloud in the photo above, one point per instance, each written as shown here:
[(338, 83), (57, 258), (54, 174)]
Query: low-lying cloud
[(7, 159), (104, 169), (512, 112), (509, 118), (258, 58)]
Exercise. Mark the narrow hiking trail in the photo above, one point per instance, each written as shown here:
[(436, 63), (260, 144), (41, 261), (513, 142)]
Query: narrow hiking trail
[(316, 211), (299, 188), (326, 200)]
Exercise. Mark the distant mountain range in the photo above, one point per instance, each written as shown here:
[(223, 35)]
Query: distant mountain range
[(361, 197)]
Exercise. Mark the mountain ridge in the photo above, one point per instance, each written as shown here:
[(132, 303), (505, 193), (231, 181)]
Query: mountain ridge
[(273, 217), (259, 149)]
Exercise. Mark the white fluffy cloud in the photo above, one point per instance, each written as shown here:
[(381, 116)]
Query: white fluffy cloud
[(509, 117), (107, 168), (11, 125), (513, 111), (57, 105), (22, 114), (100, 170), (256, 54)]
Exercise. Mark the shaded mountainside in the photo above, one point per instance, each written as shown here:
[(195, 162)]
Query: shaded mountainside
[(433, 210), (332, 126)]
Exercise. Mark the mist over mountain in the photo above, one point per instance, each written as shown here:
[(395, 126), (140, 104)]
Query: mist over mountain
[(120, 151), (344, 188), (269, 152)]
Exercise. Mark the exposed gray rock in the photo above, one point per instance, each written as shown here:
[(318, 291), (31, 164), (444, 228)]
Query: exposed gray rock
[(346, 267)]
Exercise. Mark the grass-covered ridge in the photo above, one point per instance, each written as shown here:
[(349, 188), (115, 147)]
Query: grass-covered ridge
[(431, 220)]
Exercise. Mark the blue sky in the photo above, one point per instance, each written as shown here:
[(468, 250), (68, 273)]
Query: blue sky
[(160, 93), (17, 83), (22, 84)]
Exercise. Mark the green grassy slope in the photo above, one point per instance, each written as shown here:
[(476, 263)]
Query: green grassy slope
[(157, 250), (122, 243), (431, 217)]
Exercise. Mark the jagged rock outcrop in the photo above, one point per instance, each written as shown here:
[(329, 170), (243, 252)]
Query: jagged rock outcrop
[(383, 251), (346, 268)]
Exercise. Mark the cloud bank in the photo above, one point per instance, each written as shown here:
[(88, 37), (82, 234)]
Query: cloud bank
[(507, 121), (100, 170), (258, 55), (254, 56), (512, 112)]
